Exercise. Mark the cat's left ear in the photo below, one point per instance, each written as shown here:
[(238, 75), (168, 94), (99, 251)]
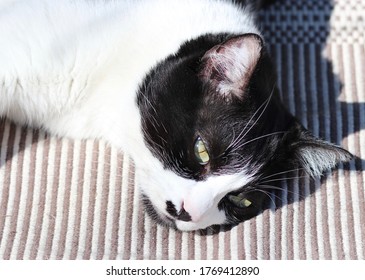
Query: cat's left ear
[(315, 155), (228, 67)]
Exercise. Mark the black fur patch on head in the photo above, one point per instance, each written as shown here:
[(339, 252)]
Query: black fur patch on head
[(249, 131), (177, 107)]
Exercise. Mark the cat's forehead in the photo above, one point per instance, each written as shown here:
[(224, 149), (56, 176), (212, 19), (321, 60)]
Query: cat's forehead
[(178, 106), (173, 122)]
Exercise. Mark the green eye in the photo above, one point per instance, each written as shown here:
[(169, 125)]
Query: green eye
[(201, 152), (239, 200)]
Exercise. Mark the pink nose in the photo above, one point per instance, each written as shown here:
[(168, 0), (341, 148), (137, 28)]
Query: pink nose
[(193, 212)]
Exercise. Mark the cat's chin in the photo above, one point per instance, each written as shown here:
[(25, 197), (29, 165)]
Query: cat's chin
[(218, 219), (188, 226)]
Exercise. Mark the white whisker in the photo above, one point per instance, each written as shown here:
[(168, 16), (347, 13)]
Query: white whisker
[(283, 172), (279, 189), (258, 138), (282, 179), (269, 194), (243, 133)]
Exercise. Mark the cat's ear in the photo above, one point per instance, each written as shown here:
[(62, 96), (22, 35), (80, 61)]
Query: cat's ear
[(316, 155), (228, 67)]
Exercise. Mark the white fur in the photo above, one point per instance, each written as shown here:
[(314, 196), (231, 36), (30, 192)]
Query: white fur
[(317, 160), (73, 68)]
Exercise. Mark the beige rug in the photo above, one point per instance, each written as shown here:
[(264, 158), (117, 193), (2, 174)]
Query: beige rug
[(62, 199)]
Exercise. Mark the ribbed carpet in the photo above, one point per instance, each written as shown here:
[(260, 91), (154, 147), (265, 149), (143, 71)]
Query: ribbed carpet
[(63, 199)]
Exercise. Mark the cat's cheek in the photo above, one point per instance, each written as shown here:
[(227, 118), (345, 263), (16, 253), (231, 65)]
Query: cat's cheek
[(215, 217)]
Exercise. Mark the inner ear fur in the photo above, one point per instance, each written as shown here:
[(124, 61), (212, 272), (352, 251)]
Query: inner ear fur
[(313, 154), (228, 67)]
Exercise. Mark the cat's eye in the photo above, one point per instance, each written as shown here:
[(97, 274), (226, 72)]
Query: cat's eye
[(201, 152), (239, 200)]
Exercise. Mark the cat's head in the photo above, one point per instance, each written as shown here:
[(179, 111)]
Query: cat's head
[(216, 130)]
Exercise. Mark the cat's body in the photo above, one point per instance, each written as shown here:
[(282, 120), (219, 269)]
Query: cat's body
[(76, 60), (109, 70)]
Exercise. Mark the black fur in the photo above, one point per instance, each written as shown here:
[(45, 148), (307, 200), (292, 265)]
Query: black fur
[(177, 107)]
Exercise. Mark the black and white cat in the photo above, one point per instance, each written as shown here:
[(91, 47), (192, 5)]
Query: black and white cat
[(185, 87)]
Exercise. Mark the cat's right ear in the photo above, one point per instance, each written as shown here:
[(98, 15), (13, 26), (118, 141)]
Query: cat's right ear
[(227, 68)]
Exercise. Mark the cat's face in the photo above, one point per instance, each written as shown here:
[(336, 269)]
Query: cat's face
[(216, 130)]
